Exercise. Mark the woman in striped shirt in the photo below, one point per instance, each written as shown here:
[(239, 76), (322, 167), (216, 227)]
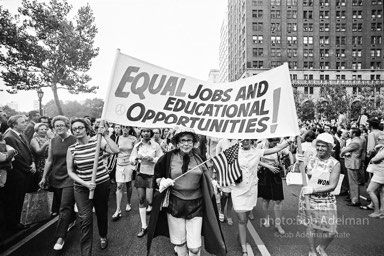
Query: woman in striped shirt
[(80, 158)]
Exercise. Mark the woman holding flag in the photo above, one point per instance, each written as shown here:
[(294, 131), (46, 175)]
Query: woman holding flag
[(80, 160), (191, 208), (244, 194)]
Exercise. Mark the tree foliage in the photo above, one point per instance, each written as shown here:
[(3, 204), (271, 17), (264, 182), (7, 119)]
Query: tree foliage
[(333, 100), (42, 46), (91, 107)]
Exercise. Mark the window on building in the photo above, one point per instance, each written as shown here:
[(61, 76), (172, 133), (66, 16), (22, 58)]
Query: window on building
[(257, 26), (275, 52), (258, 64), (357, 27), (357, 40), (324, 52), (357, 14), (375, 52), (340, 27), (291, 27), (308, 27), (377, 2), (356, 65), (291, 53), (341, 40), (324, 27), (340, 2), (291, 40), (292, 64), (340, 15), (308, 2), (324, 65), (276, 2), (293, 77), (275, 14), (308, 77), (291, 2), (308, 52), (340, 52), (257, 13), (257, 39), (324, 2), (308, 39), (376, 39), (308, 14), (308, 65), (275, 27), (258, 52), (292, 14), (375, 65), (340, 65), (357, 2), (308, 90), (376, 26), (257, 2), (275, 39), (324, 39), (375, 77), (356, 53), (275, 64), (324, 77), (324, 15)]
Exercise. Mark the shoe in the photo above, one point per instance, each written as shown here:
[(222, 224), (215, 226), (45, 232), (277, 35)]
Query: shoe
[(128, 208), (103, 243), (71, 225), (149, 209), (54, 214), (230, 221), (375, 215), (58, 246), (366, 207), (354, 204), (250, 216), (221, 217), (266, 223), (321, 251), (142, 232), (280, 229), (116, 216)]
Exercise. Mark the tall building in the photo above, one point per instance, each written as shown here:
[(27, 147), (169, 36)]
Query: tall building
[(325, 42), (223, 52)]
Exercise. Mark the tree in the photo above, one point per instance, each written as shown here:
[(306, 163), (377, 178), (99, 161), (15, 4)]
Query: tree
[(333, 99), (91, 107), (42, 47), (10, 111)]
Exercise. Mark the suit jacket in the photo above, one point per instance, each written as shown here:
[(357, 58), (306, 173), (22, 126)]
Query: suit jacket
[(24, 158), (355, 148)]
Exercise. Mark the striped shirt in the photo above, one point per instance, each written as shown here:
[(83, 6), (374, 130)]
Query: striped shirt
[(83, 158)]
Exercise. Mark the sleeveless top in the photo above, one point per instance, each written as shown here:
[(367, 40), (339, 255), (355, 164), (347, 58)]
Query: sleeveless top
[(59, 177), (83, 157), (320, 171)]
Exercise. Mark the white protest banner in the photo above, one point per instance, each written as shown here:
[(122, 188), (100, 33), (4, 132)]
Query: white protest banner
[(144, 95)]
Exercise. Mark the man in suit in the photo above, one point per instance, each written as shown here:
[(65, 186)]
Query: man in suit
[(352, 159), (20, 179), (34, 118)]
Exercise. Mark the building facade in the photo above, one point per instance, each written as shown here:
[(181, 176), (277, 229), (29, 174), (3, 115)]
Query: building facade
[(325, 42)]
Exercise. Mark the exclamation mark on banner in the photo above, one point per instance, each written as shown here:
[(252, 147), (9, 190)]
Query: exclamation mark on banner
[(276, 104)]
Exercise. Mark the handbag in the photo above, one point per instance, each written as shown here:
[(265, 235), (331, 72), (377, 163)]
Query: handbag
[(36, 207)]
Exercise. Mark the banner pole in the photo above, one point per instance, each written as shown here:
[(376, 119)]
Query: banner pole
[(96, 159)]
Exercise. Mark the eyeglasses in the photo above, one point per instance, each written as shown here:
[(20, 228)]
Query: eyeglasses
[(78, 129), (60, 126), (186, 141)]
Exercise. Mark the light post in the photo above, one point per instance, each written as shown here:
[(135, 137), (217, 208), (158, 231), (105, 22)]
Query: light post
[(40, 94)]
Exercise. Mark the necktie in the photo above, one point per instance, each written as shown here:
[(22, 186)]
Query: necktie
[(186, 160)]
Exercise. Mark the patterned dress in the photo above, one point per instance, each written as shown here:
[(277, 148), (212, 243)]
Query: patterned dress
[(42, 157), (322, 213)]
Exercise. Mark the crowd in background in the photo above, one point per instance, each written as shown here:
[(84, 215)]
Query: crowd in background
[(53, 153)]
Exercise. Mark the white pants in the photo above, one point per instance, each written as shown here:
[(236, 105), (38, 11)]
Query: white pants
[(182, 230)]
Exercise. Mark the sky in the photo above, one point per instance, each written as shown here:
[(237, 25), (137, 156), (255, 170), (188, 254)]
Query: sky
[(179, 35)]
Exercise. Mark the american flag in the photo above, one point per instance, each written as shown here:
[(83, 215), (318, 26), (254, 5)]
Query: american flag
[(227, 166)]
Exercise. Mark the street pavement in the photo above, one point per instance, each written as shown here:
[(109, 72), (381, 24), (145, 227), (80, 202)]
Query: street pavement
[(358, 234)]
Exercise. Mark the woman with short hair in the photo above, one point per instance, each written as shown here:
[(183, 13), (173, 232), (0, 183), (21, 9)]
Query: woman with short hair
[(39, 145), (80, 159)]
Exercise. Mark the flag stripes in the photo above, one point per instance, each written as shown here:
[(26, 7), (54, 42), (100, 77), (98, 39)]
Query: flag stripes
[(227, 166)]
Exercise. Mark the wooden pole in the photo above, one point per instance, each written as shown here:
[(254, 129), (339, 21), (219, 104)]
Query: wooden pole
[(96, 159)]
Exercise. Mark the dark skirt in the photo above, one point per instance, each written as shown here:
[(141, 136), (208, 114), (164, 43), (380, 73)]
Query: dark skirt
[(186, 209), (144, 181), (270, 185)]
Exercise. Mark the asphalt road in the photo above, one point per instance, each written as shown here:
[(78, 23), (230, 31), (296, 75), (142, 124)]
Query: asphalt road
[(358, 235)]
